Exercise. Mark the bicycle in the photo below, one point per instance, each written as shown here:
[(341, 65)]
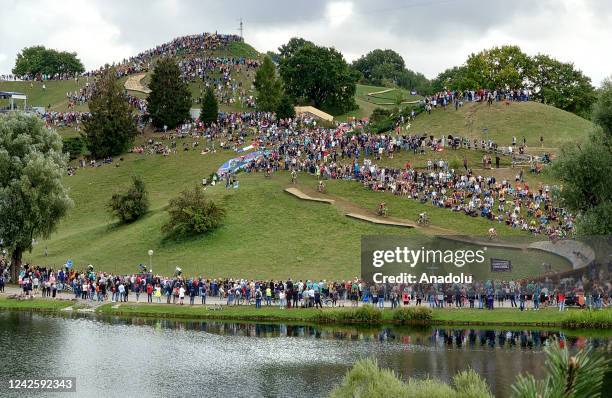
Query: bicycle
[(423, 220)]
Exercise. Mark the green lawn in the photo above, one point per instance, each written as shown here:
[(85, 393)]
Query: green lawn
[(529, 119), (54, 93), (368, 103), (37, 304), (506, 316), (267, 233)]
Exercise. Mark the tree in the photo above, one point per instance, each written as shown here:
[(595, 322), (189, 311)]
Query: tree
[(33, 198), (192, 214), (169, 101), (111, 128), (210, 108), (561, 85), (131, 205), (505, 67), (285, 109), (602, 111), (319, 75), (269, 87), (586, 172), (288, 50), (38, 60), (379, 65)]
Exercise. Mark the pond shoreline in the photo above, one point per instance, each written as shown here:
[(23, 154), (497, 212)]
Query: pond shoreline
[(550, 317)]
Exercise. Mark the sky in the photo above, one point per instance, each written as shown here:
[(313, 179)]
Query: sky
[(431, 35)]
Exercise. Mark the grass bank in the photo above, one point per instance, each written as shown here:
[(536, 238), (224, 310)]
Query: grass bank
[(573, 319), (366, 315)]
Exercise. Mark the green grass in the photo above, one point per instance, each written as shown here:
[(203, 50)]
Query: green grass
[(34, 304), (267, 233), (54, 94), (502, 317), (368, 103), (548, 317), (529, 119)]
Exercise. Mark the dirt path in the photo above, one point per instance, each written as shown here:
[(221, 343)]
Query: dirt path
[(134, 83), (577, 253)]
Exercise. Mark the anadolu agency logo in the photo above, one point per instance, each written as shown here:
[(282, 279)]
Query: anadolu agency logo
[(402, 260)]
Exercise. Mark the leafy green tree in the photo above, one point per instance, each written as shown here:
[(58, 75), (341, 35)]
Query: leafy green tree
[(210, 108), (455, 78), (379, 65), (192, 214), (288, 50), (132, 204), (586, 172), (319, 75), (169, 101), (268, 85), (561, 85), (38, 60), (73, 146), (285, 108), (602, 110), (33, 198), (505, 67), (111, 128)]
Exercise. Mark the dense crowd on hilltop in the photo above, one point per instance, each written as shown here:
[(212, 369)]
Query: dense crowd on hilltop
[(592, 291)]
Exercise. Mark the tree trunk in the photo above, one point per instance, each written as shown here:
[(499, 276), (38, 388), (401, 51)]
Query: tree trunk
[(16, 264)]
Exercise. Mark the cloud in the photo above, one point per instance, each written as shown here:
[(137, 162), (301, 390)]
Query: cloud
[(431, 35)]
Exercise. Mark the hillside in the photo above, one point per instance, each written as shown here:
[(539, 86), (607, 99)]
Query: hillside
[(267, 232), (528, 119)]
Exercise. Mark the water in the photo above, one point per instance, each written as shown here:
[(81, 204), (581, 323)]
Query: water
[(146, 357)]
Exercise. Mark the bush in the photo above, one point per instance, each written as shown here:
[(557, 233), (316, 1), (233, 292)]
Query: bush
[(131, 205), (408, 314), (73, 146), (192, 214), (364, 314), (366, 379)]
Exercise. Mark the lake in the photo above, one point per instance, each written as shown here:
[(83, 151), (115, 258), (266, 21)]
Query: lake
[(148, 357)]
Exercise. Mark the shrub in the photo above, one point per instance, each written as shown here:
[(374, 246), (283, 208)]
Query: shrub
[(364, 314), (131, 205), (408, 314), (73, 146), (366, 379), (192, 214)]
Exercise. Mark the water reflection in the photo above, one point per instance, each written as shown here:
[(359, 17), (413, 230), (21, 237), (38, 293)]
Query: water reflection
[(434, 337), (150, 357)]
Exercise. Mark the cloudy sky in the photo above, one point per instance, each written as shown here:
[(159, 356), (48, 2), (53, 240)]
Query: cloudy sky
[(431, 35)]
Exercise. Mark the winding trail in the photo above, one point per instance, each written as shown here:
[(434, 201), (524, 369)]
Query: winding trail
[(577, 253)]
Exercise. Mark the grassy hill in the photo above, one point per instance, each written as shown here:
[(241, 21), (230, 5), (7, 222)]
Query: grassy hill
[(267, 232), (367, 103), (528, 119)]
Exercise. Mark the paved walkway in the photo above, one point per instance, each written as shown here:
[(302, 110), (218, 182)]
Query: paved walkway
[(90, 306)]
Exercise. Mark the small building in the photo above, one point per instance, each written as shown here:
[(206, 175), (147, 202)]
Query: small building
[(11, 96)]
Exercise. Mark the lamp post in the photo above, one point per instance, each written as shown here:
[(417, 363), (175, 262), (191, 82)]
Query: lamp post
[(151, 261)]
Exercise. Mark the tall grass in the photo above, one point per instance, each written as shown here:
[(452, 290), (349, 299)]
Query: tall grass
[(591, 319)]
